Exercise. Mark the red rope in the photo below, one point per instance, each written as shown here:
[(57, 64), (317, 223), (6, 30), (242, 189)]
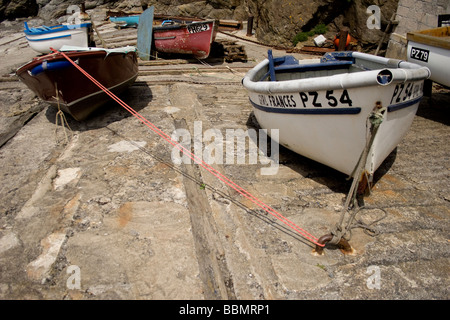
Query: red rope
[(198, 161)]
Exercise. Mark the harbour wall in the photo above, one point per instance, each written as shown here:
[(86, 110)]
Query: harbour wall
[(414, 15)]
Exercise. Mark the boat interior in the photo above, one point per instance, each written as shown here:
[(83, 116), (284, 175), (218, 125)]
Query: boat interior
[(288, 68)]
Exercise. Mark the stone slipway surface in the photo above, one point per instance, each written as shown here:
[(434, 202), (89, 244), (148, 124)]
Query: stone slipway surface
[(101, 211)]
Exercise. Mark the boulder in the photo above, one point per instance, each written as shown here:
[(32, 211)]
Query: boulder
[(276, 22), (12, 9)]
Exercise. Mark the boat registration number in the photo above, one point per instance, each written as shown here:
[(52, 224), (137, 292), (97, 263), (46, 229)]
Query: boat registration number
[(405, 92), (307, 100), (419, 54), (197, 27)]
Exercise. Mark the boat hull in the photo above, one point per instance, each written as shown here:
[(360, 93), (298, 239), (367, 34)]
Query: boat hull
[(431, 48), (126, 21), (43, 39), (193, 38), (325, 117), (77, 95)]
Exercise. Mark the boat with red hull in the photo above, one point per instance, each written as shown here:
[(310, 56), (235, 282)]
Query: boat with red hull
[(116, 69), (182, 37)]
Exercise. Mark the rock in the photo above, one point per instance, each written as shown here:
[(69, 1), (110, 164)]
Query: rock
[(54, 8), (275, 22), (17, 8)]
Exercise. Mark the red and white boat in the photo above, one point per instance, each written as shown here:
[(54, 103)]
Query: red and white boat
[(182, 37)]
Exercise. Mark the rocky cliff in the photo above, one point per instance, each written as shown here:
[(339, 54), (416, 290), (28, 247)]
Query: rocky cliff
[(276, 22)]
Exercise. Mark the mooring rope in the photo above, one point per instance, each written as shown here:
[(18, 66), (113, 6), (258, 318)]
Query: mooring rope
[(198, 161), (373, 123), (60, 115)]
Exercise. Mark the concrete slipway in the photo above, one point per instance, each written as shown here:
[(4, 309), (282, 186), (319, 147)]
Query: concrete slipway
[(101, 211)]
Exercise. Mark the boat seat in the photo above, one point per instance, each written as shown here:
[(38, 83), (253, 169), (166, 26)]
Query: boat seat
[(37, 29), (288, 64)]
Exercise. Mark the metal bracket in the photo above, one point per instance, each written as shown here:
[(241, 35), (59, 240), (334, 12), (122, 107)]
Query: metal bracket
[(341, 243)]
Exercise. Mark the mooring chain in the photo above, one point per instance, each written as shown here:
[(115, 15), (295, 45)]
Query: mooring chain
[(374, 121), (340, 235), (340, 232), (61, 117)]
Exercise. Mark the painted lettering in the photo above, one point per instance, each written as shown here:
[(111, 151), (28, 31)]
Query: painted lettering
[(282, 101), (314, 102), (332, 101), (345, 98), (315, 99), (404, 92), (304, 98)]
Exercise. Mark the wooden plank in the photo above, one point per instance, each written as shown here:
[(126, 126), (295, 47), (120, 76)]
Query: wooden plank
[(437, 37), (207, 243)]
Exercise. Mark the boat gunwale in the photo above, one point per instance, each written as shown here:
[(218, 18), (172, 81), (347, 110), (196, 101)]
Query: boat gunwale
[(181, 26), (61, 28), (402, 71), (57, 56)]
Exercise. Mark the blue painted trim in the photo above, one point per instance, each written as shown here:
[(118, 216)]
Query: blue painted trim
[(48, 30), (52, 38), (50, 66), (271, 66), (395, 107), (337, 111)]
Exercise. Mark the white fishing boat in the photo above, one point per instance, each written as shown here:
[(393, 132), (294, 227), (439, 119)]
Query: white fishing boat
[(322, 107), (431, 48), (42, 38)]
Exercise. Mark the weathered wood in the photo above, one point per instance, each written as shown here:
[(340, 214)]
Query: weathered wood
[(250, 26), (206, 241), (437, 37), (343, 39)]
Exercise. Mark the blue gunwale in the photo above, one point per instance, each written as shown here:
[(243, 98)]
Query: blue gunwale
[(49, 30), (338, 111), (52, 38), (402, 105)]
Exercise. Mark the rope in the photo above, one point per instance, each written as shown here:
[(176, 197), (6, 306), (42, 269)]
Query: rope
[(61, 116), (374, 121), (198, 161)]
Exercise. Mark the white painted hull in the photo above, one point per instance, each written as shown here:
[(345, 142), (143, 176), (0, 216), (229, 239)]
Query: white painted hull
[(78, 36), (324, 115), (431, 48), (438, 61)]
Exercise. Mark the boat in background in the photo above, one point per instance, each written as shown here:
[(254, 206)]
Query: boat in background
[(321, 107), (126, 21), (431, 48), (55, 80), (185, 37), (42, 38)]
